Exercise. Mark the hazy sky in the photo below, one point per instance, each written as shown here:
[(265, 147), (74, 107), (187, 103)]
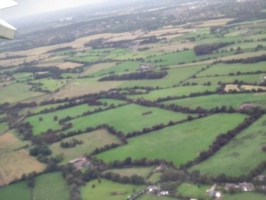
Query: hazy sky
[(29, 7)]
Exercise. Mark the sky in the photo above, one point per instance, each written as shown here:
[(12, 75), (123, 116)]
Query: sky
[(30, 7)]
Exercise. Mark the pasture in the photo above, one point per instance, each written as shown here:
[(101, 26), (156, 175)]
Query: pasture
[(15, 191), (51, 186), (217, 100), (91, 141), (14, 164), (16, 93), (108, 190), (173, 92), (180, 143), (232, 158), (48, 121), (128, 118), (194, 191)]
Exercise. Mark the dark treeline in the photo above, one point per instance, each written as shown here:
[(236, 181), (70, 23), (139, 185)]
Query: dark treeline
[(70, 144), (149, 40), (115, 177), (60, 49), (135, 76), (205, 49), (244, 60)]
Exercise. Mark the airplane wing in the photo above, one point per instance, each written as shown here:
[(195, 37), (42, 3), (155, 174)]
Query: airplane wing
[(6, 30)]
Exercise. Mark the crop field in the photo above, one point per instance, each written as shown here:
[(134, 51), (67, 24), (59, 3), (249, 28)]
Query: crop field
[(98, 67), (225, 69), (194, 191), (244, 196), (48, 121), (69, 65), (212, 101), (15, 191), (176, 91), (140, 171), (9, 143), (51, 186), (86, 86), (16, 92), (108, 190), (13, 165), (218, 22), (119, 118), (91, 141), (180, 143), (250, 87), (232, 158)]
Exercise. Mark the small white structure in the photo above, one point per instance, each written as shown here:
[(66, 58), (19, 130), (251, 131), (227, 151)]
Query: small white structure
[(164, 193)]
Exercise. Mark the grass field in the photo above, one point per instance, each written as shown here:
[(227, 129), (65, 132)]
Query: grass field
[(180, 143), (16, 92), (90, 140), (51, 186), (140, 171), (13, 165), (155, 177), (108, 190), (48, 121), (152, 197), (245, 196), (225, 69), (194, 191), (232, 158), (177, 91), (212, 101), (86, 86), (128, 118), (50, 84), (16, 191)]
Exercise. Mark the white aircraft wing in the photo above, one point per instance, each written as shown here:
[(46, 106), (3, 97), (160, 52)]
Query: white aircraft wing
[(6, 30)]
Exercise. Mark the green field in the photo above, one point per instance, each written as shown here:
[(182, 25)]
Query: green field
[(48, 121), (232, 158), (140, 171), (153, 197), (91, 141), (16, 191), (3, 126), (51, 186), (172, 92), (128, 118), (16, 92), (108, 190), (180, 143), (225, 69), (194, 191), (218, 100), (245, 196), (50, 84), (112, 101), (49, 106)]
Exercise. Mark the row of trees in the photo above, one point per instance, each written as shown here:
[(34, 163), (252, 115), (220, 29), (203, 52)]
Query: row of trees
[(206, 49)]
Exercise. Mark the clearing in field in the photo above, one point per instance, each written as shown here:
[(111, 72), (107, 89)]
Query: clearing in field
[(86, 86), (14, 165), (128, 118), (69, 65), (91, 141), (173, 92), (15, 191), (179, 144), (98, 67), (16, 92), (108, 190), (51, 186), (232, 158), (217, 100), (9, 143), (194, 191), (140, 171)]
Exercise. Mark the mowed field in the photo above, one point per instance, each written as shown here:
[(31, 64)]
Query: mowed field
[(51, 186), (173, 92), (128, 118), (91, 141), (218, 100), (108, 190), (15, 191), (232, 158), (180, 143), (13, 165), (16, 92)]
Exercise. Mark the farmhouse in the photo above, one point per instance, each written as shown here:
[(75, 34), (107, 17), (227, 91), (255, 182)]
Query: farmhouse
[(144, 67), (246, 187)]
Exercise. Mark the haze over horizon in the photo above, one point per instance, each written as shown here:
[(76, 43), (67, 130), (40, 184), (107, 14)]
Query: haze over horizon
[(31, 7)]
